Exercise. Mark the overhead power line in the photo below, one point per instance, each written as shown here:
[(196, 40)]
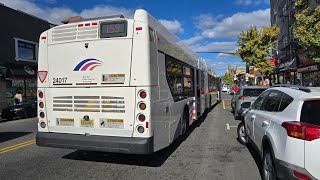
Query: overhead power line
[(217, 52)]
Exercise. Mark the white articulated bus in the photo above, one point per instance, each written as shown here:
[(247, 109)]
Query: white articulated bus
[(117, 85)]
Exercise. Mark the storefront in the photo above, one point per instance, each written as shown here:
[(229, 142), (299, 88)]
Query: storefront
[(309, 70), (286, 72), (21, 78), (310, 75)]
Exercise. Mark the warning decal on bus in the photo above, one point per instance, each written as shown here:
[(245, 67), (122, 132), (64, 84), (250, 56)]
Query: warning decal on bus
[(113, 78), (111, 123)]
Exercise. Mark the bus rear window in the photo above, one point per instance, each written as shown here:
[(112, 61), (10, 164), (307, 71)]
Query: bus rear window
[(113, 29), (310, 112)]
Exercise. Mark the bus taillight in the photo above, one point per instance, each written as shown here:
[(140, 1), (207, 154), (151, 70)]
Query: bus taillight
[(41, 94), (42, 115), (141, 117), (142, 94), (41, 105), (140, 129), (142, 106)]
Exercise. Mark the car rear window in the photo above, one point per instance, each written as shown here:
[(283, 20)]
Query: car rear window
[(310, 112), (252, 92)]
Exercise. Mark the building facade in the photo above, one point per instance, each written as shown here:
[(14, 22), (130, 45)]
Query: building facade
[(19, 38), (295, 67)]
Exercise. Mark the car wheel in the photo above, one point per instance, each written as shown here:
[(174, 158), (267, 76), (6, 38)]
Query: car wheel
[(241, 131), (24, 115), (269, 171), (235, 115)]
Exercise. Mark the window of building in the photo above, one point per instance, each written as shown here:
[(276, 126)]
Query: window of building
[(180, 78), (26, 50)]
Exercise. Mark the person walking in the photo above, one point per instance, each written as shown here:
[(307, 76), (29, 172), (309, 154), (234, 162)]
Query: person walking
[(18, 97), (235, 88)]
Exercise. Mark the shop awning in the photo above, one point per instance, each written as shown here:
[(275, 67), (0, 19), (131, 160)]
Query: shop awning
[(23, 70), (288, 65), (314, 67)]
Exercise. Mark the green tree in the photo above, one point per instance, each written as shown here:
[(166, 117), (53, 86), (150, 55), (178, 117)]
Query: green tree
[(255, 46), (307, 27), (227, 78)]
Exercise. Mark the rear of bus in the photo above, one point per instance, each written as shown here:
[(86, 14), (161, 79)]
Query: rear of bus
[(91, 95)]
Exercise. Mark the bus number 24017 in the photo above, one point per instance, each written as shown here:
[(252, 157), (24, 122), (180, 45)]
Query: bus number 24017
[(59, 80)]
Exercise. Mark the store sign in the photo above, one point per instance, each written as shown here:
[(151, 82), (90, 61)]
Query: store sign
[(29, 70), (309, 68), (274, 62)]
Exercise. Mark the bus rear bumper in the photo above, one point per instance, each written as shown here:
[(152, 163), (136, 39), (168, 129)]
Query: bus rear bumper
[(126, 145)]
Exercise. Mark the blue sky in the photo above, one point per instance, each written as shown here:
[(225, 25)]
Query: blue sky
[(204, 25)]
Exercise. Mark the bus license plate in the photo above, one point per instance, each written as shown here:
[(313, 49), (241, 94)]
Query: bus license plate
[(87, 123), (112, 123), (65, 122)]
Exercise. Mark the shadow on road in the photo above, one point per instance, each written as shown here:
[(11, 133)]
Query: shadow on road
[(256, 157), (6, 136), (153, 160), (14, 119)]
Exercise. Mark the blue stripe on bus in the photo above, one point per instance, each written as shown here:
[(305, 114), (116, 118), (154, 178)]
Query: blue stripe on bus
[(77, 68)]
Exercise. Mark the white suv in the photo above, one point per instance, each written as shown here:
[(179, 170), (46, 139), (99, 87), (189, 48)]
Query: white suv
[(283, 125)]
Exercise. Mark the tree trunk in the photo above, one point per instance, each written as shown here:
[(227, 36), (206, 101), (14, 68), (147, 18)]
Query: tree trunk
[(262, 77)]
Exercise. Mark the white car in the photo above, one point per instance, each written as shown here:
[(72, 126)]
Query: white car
[(283, 125), (225, 88)]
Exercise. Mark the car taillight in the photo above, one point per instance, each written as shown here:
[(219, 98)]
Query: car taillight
[(41, 94), (244, 97), (300, 175), (302, 130), (142, 94)]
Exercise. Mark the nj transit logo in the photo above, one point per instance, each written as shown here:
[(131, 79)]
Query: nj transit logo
[(88, 65)]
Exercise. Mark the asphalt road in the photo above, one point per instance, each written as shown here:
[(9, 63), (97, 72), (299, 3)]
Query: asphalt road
[(211, 151)]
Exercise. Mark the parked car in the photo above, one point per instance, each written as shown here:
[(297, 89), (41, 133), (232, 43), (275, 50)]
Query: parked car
[(245, 94), (283, 125), (23, 110), (225, 88)]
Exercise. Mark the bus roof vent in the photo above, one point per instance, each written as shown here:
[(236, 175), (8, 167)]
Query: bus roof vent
[(72, 19)]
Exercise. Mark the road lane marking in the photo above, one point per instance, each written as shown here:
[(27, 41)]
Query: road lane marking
[(228, 126), (223, 105), (17, 146)]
